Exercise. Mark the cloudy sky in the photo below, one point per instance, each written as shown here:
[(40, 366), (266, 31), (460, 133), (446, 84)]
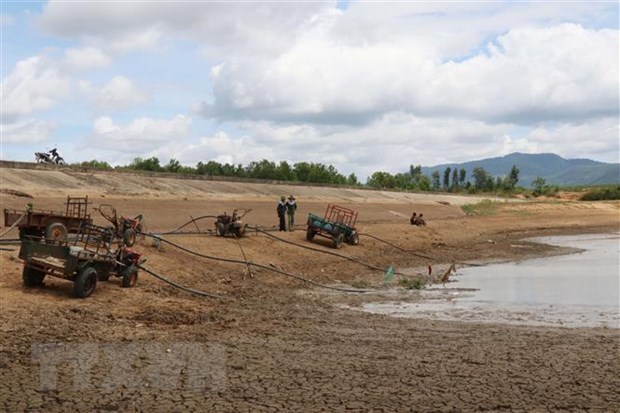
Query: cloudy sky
[(363, 85)]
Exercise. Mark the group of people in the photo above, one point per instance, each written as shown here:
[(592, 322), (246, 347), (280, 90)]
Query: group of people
[(287, 207), (418, 220)]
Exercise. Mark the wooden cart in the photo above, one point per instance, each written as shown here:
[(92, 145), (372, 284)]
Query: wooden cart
[(53, 225)]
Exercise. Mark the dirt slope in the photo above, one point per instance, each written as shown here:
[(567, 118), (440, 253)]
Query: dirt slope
[(63, 182)]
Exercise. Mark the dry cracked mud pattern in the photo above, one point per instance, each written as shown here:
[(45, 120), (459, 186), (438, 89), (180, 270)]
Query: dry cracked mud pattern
[(276, 344)]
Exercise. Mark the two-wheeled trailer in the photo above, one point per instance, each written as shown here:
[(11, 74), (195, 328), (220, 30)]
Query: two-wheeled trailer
[(337, 224), (88, 259), (53, 225)]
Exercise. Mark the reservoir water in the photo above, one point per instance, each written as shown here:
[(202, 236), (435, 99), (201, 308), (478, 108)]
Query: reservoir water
[(575, 290)]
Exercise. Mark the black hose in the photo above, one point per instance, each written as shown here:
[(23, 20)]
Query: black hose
[(179, 286), (374, 267), (193, 220), (265, 267)]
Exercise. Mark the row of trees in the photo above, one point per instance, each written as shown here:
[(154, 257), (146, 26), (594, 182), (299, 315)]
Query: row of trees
[(452, 179), (309, 172)]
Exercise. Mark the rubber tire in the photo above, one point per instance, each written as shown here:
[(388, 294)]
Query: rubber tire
[(310, 234), (354, 239), (338, 240), (129, 237), (219, 229), (85, 283), (56, 231), (32, 277), (60, 161), (130, 277)]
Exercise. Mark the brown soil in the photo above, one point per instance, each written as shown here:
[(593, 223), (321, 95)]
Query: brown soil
[(274, 343)]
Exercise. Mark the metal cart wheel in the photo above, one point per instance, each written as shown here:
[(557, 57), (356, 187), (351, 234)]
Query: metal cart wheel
[(85, 282), (338, 240), (130, 277), (56, 231), (310, 234), (32, 277)]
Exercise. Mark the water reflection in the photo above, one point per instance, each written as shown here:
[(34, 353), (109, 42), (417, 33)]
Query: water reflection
[(575, 290)]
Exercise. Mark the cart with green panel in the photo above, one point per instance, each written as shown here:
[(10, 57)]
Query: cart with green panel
[(338, 224)]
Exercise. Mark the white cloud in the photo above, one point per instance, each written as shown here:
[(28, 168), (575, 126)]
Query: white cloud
[(597, 139), (220, 27), (117, 94), (527, 76), (31, 131), (139, 136), (86, 58), (376, 87), (34, 84)]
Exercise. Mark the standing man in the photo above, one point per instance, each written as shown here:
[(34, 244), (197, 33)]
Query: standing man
[(291, 206), (282, 212)]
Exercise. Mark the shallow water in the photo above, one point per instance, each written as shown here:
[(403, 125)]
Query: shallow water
[(576, 290)]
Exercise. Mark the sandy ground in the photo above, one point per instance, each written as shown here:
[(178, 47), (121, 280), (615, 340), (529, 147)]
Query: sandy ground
[(274, 343)]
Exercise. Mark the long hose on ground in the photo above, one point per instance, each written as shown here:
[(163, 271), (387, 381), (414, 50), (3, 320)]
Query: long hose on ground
[(179, 286), (335, 254), (176, 231), (193, 220), (262, 266)]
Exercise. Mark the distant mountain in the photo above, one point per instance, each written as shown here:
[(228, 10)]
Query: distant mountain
[(555, 169)]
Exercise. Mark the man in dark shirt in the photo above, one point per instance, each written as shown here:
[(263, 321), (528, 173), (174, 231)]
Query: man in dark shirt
[(282, 213)]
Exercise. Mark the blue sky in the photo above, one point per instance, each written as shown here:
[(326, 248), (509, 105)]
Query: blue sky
[(365, 86)]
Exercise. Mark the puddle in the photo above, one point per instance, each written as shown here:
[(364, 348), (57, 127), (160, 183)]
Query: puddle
[(576, 290)]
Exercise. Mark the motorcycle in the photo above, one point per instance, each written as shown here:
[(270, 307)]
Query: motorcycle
[(51, 157)]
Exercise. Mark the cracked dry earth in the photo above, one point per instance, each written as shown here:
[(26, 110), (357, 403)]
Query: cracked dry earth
[(275, 344)]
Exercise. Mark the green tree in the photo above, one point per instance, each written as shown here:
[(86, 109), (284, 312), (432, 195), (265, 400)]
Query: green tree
[(446, 178), (435, 179), (455, 178), (263, 169), (95, 164), (211, 168), (352, 180), (462, 176), (513, 177), (150, 164), (381, 180), (482, 181), (285, 172), (172, 166), (424, 183), (539, 185)]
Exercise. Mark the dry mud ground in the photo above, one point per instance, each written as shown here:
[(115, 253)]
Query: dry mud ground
[(274, 343)]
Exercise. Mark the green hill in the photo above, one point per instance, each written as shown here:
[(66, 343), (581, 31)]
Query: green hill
[(555, 169)]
